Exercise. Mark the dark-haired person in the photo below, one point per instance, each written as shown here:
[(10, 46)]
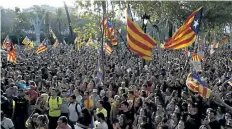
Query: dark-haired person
[(63, 123), (125, 110), (6, 123), (42, 122), (213, 123), (101, 109), (101, 119), (53, 103), (21, 110), (74, 111)]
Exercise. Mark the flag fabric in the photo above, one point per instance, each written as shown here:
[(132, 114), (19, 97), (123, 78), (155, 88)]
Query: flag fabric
[(6, 45), (230, 81), (26, 41), (109, 30), (30, 46), (224, 40), (56, 44), (196, 57), (187, 33), (52, 33), (195, 84), (11, 55), (42, 47), (107, 49), (139, 42)]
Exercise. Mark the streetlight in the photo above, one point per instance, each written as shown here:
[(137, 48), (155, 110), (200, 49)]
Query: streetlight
[(145, 18)]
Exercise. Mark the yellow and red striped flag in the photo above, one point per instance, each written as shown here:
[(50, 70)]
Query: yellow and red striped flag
[(195, 84), (26, 41), (187, 33), (107, 49), (42, 47), (139, 42), (6, 45), (56, 44), (11, 55), (109, 31), (196, 57)]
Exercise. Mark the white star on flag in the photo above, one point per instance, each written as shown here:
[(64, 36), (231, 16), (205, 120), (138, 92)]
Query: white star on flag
[(195, 24)]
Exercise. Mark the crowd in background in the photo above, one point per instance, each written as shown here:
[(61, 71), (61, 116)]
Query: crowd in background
[(60, 89)]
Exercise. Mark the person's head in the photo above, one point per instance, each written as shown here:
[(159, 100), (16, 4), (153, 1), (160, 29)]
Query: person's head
[(86, 95), (100, 104), (130, 93), (34, 117), (175, 117), (158, 119), (192, 108), (95, 92), (160, 108), (181, 124), (41, 120), (124, 105), (72, 99), (21, 92), (63, 93), (54, 92), (212, 115), (62, 122), (100, 117), (227, 116), (203, 127)]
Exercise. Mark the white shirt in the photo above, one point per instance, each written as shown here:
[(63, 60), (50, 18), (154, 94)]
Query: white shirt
[(73, 116), (102, 125), (7, 123)]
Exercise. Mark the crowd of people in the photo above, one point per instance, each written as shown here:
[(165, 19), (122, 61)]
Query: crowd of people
[(60, 89)]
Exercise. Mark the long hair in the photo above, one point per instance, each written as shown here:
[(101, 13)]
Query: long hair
[(44, 119)]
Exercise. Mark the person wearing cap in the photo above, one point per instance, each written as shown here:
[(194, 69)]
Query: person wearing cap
[(95, 97)]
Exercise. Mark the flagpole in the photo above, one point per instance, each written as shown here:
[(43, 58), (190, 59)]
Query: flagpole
[(102, 43)]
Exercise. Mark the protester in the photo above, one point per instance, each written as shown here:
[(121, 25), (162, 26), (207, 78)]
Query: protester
[(131, 96)]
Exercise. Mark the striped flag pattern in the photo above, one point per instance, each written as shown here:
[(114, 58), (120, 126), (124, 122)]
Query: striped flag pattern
[(109, 31), (26, 41), (138, 42), (56, 44), (42, 47), (187, 33), (107, 49), (11, 56), (196, 57), (195, 84), (6, 45)]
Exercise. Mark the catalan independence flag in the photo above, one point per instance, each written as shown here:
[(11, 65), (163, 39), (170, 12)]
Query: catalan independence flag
[(230, 81), (6, 45), (11, 55), (56, 44), (26, 41), (196, 57), (42, 47), (107, 49), (109, 30), (138, 42), (187, 33), (195, 84)]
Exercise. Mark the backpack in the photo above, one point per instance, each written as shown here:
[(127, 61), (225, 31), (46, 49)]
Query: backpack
[(57, 98), (76, 109)]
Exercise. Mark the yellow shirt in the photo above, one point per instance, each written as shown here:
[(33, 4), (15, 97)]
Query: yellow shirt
[(103, 111), (52, 105), (88, 104)]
